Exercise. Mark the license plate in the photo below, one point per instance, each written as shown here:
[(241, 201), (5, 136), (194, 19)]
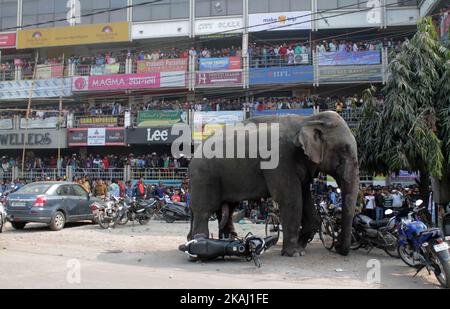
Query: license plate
[(441, 247), (18, 204)]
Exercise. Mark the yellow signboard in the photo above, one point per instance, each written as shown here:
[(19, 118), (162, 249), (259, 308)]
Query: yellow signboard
[(78, 35)]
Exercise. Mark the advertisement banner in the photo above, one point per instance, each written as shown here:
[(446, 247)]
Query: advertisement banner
[(129, 81), (282, 75), (45, 123), (34, 139), (350, 58), (6, 124), (97, 122), (206, 123), (163, 65), (103, 69), (168, 28), (279, 21), (7, 40), (96, 137), (150, 136), (47, 71), (332, 74), (160, 118), (302, 112), (218, 79), (78, 35), (42, 88), (218, 64)]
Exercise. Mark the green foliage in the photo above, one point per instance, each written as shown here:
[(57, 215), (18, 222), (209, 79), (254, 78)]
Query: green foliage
[(411, 130)]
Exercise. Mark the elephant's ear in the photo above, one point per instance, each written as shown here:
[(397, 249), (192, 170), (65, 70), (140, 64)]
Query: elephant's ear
[(310, 139)]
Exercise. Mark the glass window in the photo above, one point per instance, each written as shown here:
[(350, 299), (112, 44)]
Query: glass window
[(266, 6), (326, 4), (348, 4), (46, 19), (279, 6), (166, 9), (34, 188), (179, 9), (258, 6), (90, 6), (9, 22), (46, 6), (235, 7), (9, 9), (79, 191), (300, 5), (205, 8), (64, 190)]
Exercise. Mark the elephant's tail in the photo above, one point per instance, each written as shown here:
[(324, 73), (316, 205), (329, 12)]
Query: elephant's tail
[(225, 216)]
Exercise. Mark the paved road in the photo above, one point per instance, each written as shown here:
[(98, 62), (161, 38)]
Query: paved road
[(147, 257)]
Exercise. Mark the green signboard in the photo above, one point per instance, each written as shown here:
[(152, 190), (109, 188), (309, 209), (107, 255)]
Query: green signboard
[(160, 118)]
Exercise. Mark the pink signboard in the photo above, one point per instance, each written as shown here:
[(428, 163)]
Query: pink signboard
[(216, 79), (115, 82), (7, 40)]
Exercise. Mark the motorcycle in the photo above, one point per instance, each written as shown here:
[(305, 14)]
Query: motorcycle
[(133, 210), (106, 213), (2, 212), (368, 233), (422, 247), (172, 211), (251, 247)]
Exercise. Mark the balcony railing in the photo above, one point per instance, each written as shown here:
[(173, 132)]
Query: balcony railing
[(159, 173), (279, 61)]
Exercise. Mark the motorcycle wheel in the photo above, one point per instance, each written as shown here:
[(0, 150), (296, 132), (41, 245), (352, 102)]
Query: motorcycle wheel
[(273, 227), (407, 256), (1, 223), (442, 262), (356, 242), (390, 245), (123, 219), (327, 233), (104, 222), (144, 220)]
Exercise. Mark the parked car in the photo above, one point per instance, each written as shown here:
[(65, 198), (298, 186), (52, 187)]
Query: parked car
[(53, 203)]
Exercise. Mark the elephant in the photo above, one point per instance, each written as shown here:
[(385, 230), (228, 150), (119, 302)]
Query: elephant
[(307, 145)]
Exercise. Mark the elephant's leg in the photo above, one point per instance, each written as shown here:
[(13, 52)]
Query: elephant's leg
[(286, 189), (228, 230), (310, 219)]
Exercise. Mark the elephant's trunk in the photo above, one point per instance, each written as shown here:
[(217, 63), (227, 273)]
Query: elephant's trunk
[(349, 184), (225, 216)]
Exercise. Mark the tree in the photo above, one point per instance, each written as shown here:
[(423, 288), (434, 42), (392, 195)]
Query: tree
[(411, 129)]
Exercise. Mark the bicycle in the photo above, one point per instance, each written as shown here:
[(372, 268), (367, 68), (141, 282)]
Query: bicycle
[(273, 222)]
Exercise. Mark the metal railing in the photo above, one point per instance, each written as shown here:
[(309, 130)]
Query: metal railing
[(42, 174), (6, 174), (279, 61), (110, 173), (6, 75), (159, 173), (95, 69)]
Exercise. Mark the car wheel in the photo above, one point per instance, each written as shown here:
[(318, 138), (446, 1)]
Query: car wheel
[(58, 221), (18, 225)]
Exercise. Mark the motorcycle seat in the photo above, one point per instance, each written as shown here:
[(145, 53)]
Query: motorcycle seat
[(431, 232), (376, 224), (180, 204)]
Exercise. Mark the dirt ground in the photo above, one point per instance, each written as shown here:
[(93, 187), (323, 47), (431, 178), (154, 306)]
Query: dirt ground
[(135, 256)]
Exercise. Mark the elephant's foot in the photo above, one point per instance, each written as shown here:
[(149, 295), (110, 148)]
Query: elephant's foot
[(225, 234), (293, 252), (341, 250)]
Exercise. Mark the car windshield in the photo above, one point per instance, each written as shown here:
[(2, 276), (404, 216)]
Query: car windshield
[(34, 188)]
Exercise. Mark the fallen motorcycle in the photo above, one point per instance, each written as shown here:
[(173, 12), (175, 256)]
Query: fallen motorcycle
[(174, 211), (250, 248)]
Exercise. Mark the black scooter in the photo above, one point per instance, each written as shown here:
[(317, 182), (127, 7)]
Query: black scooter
[(174, 211)]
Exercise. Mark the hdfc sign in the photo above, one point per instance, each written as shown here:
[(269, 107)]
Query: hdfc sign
[(7, 40)]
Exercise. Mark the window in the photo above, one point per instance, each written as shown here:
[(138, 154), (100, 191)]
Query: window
[(34, 188), (206, 8), (79, 191), (8, 14), (100, 6), (165, 9), (64, 191), (267, 6)]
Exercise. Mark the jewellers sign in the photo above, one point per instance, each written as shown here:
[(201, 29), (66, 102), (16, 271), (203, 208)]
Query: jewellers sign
[(33, 139), (147, 136)]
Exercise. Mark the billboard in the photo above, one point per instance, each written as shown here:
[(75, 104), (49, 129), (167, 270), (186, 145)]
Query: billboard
[(218, 79), (160, 118), (44, 123), (219, 25), (47, 71), (350, 58), (331, 74), (282, 75), (105, 69), (78, 35), (218, 64), (150, 136), (129, 81), (96, 137), (6, 124), (34, 139), (206, 123), (302, 112), (163, 65), (7, 40), (42, 88), (279, 21)]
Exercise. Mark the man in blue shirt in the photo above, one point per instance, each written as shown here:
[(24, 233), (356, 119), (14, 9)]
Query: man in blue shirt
[(333, 197)]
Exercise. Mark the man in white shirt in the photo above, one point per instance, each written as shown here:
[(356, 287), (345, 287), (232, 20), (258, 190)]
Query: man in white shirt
[(397, 199), (332, 47), (369, 209)]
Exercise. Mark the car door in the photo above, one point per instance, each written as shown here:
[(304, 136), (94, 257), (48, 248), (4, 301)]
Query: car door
[(64, 194), (83, 201)]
